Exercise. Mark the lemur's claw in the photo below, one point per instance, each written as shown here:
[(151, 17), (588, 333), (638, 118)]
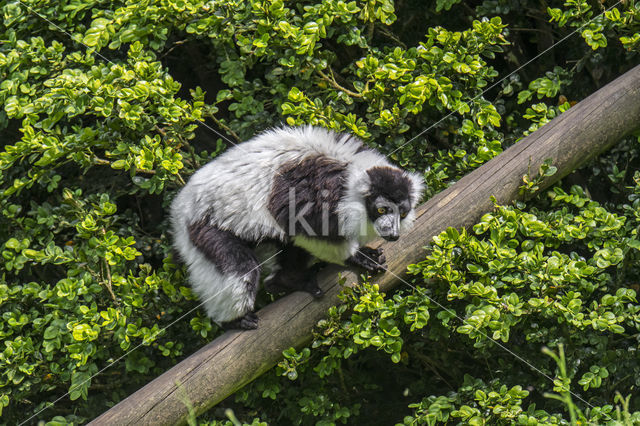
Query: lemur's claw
[(247, 322), (371, 260), (316, 292), (311, 286)]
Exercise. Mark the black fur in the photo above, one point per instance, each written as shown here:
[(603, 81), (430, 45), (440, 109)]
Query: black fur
[(318, 182), (227, 252), (390, 183), (369, 259), (295, 273)]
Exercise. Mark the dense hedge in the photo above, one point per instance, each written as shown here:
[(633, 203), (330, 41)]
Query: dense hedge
[(108, 107)]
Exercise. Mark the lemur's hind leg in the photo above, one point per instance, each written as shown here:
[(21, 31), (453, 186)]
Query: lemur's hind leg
[(295, 273), (227, 280)]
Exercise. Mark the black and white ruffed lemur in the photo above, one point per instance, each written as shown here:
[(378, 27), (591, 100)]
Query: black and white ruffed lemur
[(314, 193)]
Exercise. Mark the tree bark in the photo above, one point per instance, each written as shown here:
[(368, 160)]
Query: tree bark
[(238, 357)]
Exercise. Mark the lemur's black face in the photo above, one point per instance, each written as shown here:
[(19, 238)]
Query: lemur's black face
[(386, 216), (388, 202)]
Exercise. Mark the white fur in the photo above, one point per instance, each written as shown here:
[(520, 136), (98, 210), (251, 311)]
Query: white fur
[(233, 191), (223, 296), (417, 188)]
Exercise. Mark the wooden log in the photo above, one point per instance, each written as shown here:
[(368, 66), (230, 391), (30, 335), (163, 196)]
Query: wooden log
[(238, 357)]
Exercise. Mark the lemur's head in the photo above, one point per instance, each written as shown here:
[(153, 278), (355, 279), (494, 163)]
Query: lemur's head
[(391, 199)]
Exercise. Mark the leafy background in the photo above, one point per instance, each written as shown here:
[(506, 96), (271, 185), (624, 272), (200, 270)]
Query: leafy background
[(109, 106)]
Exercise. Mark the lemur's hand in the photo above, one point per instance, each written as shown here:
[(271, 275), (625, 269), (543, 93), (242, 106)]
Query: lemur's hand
[(372, 260), (247, 322)]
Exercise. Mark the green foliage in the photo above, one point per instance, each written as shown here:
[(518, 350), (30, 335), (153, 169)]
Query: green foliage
[(470, 401), (548, 86), (531, 184), (107, 107), (593, 25)]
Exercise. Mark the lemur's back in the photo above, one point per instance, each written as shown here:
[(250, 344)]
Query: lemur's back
[(234, 188)]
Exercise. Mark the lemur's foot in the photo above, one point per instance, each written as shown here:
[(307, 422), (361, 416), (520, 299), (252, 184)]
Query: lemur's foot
[(272, 287), (293, 279), (316, 292), (247, 322), (312, 283), (312, 288), (309, 286), (316, 267), (371, 260)]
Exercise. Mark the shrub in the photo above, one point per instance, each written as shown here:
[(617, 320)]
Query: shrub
[(108, 107)]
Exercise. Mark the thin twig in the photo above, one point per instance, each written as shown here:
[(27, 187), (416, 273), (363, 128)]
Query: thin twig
[(225, 128), (335, 85), (385, 31), (161, 131), (176, 44), (180, 179), (194, 159), (370, 29), (103, 162), (109, 281), (428, 362)]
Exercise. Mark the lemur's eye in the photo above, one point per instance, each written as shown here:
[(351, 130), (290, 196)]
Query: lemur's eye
[(403, 215), (382, 210)]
